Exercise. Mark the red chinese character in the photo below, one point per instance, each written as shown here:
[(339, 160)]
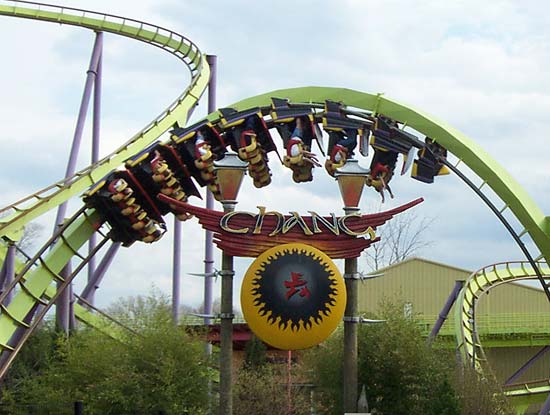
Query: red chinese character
[(296, 281)]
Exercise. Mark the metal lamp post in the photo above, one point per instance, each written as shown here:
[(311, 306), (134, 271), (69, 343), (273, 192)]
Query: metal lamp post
[(229, 172), (351, 180)]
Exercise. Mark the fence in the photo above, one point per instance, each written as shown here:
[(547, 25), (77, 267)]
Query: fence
[(494, 324)]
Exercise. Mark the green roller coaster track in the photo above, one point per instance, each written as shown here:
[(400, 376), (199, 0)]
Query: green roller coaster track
[(38, 282)]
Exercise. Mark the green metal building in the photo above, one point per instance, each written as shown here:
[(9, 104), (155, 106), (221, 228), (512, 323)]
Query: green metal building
[(513, 320)]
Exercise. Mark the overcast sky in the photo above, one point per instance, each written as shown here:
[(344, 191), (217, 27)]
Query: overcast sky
[(480, 66)]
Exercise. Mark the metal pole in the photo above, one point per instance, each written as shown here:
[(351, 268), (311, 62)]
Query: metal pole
[(226, 331), (9, 270), (3, 275), (95, 154), (526, 365), (208, 243), (351, 323), (77, 137), (176, 271), (62, 305), (79, 408), (289, 381), (545, 410), (445, 310), (72, 317), (93, 284)]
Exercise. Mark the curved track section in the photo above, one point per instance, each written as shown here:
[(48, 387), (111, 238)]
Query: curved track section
[(24, 210), (490, 172), (35, 281), (477, 284)]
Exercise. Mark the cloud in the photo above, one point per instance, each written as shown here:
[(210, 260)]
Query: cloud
[(482, 72)]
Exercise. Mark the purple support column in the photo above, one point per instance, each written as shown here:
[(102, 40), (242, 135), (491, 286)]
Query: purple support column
[(3, 274), (545, 410), (445, 310), (9, 271), (527, 365), (77, 137), (72, 299), (93, 283), (176, 271), (62, 304), (95, 156), (208, 245)]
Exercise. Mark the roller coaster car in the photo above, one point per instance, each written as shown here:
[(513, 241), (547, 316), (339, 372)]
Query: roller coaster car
[(240, 126), (387, 136), (188, 145), (208, 132), (159, 169), (429, 163), (125, 208), (179, 168), (284, 118), (342, 129), (334, 119), (382, 168)]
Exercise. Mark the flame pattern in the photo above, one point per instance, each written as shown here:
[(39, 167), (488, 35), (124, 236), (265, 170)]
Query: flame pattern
[(270, 294)]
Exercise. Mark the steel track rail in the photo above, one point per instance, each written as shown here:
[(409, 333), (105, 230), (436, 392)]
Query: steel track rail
[(35, 282), (182, 48), (489, 171), (477, 284)]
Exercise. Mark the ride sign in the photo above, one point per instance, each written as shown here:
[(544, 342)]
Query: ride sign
[(293, 296)]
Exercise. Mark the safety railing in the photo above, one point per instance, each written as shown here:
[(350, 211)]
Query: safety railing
[(494, 324)]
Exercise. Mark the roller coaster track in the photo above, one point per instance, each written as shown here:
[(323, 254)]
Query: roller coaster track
[(30, 207), (522, 395), (485, 170), (36, 288), (477, 284)]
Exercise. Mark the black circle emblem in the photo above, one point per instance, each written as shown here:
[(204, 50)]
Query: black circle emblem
[(293, 296)]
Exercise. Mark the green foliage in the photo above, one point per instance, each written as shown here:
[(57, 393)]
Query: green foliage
[(162, 368), (255, 354), (324, 367), (401, 374), (266, 391), (481, 395), (35, 356)]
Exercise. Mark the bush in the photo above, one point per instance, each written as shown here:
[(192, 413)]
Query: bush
[(265, 391), (161, 368), (401, 374)]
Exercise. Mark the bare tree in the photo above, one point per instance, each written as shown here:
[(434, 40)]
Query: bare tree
[(400, 238), (31, 234)]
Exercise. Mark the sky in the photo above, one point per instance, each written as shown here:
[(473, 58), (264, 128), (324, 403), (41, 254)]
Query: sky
[(479, 66)]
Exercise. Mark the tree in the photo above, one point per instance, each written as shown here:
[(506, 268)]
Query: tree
[(265, 391), (255, 354), (31, 234), (481, 394), (400, 238), (161, 368), (401, 373)]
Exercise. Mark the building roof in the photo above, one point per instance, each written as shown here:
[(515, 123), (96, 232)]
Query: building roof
[(440, 264), (429, 261)]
